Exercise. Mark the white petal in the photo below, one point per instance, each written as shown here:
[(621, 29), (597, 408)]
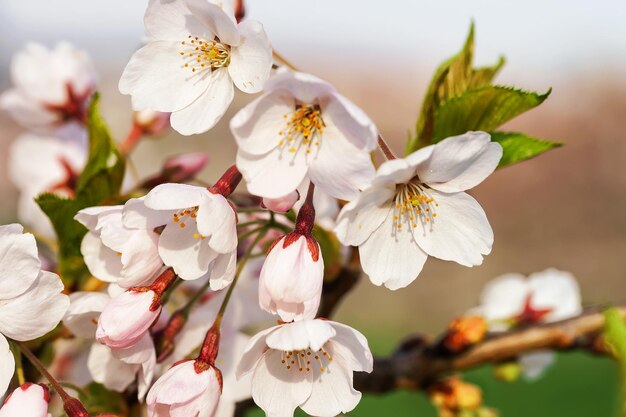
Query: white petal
[(534, 364), (252, 352), (392, 172), (256, 127), (103, 262), (555, 290), (301, 335), (204, 113), (391, 256), (180, 248), (216, 20), (171, 20), (223, 270), (272, 175), (19, 262), (7, 365), (338, 167), (354, 347), (332, 392), (156, 78), (179, 384), (82, 315), (251, 60), (278, 390), (306, 88), (89, 217), (217, 219), (460, 162), (460, 232), (175, 196), (351, 122), (109, 371), (362, 216), (27, 111), (137, 215), (504, 297), (37, 311)]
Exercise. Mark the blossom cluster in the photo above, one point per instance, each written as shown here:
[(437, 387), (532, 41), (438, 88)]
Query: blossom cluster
[(161, 317)]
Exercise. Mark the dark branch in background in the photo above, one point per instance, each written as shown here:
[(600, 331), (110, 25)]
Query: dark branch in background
[(334, 291)]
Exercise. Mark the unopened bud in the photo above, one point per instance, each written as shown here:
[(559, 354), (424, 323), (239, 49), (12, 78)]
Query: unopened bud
[(453, 396), (28, 400), (464, 332), (508, 371), (281, 204), (185, 167), (151, 122)]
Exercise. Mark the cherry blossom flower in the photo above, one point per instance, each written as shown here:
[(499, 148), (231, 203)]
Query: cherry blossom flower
[(189, 388), (302, 127), (416, 207), (39, 164), (116, 369), (195, 53), (199, 235), (306, 364), (52, 87), (28, 400), (116, 250), (514, 300), (31, 303)]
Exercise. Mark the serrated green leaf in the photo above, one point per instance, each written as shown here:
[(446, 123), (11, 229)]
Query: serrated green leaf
[(100, 181), (99, 400), (485, 75), (517, 147), (484, 108)]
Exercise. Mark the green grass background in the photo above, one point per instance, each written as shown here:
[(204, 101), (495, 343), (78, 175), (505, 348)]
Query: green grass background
[(576, 385)]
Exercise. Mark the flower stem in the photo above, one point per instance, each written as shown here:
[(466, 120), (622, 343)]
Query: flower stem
[(306, 215), (19, 366), (132, 139), (284, 61), (43, 371), (385, 149)]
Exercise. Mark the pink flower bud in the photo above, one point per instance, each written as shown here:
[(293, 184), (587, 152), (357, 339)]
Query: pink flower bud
[(127, 317), (188, 388), (151, 122), (181, 168), (291, 278), (281, 204), (29, 400)]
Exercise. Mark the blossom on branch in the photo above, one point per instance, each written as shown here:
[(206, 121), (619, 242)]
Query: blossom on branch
[(195, 53), (417, 207), (302, 127), (306, 364)]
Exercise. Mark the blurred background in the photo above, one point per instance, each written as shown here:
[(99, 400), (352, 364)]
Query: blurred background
[(565, 209)]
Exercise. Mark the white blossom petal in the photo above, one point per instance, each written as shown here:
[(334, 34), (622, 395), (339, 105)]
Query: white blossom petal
[(503, 298), (216, 19), (301, 335), (353, 347), (172, 20), (176, 196), (82, 315), (108, 370), (217, 220), (103, 262), (19, 262), (189, 255), (555, 290), (362, 216), (534, 364), (253, 352), (304, 87), (352, 122), (251, 60), (7, 365)]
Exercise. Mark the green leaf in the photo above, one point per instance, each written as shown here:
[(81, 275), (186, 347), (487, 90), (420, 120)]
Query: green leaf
[(519, 147), (484, 108), (99, 182), (615, 337), (99, 400)]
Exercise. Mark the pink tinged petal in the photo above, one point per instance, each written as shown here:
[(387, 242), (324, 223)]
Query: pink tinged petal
[(338, 167), (29, 400), (256, 127), (179, 384), (460, 232), (282, 204), (37, 311), (217, 220), (555, 290), (272, 175), (534, 364), (460, 162), (202, 405), (252, 353), (204, 113), (278, 390), (332, 392), (306, 88), (156, 78), (301, 335), (82, 315), (140, 353), (351, 121), (504, 297), (7, 365), (28, 75), (172, 20), (108, 370), (126, 318), (223, 270), (391, 256), (362, 216), (216, 20), (175, 197), (353, 347), (26, 111), (184, 250), (251, 60), (103, 262), (19, 262), (140, 259)]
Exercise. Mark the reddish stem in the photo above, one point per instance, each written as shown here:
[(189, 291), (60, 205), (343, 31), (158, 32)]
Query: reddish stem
[(306, 215), (163, 282), (385, 149), (132, 139), (228, 182), (211, 344)]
